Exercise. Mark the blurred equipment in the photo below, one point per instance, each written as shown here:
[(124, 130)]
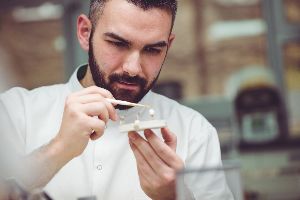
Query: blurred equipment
[(259, 110), (12, 190), (217, 182), (218, 111), (171, 89)]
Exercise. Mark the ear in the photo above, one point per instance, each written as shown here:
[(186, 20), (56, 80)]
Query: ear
[(84, 28), (171, 39)]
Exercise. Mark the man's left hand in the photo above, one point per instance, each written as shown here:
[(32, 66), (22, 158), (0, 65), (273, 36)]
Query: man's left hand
[(157, 163)]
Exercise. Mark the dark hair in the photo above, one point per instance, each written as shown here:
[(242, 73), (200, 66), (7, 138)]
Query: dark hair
[(96, 7)]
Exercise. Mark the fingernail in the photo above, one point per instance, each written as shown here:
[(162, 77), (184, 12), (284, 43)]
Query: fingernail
[(132, 136), (147, 133)]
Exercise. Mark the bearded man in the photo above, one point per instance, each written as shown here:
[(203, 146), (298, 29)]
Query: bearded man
[(68, 133)]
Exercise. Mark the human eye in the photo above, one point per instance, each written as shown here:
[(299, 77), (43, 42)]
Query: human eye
[(152, 50), (118, 44)]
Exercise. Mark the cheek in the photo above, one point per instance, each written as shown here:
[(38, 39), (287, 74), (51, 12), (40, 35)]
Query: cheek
[(108, 58), (152, 67)]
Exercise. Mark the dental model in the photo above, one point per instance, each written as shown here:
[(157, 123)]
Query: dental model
[(142, 125), (138, 125), (152, 112)]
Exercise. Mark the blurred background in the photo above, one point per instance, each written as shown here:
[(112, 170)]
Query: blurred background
[(235, 61)]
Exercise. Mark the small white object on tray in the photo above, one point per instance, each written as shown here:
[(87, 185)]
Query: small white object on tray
[(142, 125)]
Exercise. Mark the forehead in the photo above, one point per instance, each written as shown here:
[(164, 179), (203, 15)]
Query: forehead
[(133, 22)]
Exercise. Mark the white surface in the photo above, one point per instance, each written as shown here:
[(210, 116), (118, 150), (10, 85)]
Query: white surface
[(231, 29), (142, 125)]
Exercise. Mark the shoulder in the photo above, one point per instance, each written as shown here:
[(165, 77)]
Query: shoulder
[(44, 90), (18, 96)]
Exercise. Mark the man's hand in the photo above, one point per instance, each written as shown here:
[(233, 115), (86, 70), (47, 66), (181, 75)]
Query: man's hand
[(85, 116), (157, 163)]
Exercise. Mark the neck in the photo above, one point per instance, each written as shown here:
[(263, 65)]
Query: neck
[(87, 80)]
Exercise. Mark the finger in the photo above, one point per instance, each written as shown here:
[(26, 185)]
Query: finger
[(90, 98), (73, 97), (166, 153), (97, 126), (147, 151), (145, 171), (93, 98), (94, 90), (170, 138), (150, 179), (111, 111), (96, 109)]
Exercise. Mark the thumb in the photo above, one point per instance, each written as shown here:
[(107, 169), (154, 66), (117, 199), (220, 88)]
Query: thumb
[(169, 138)]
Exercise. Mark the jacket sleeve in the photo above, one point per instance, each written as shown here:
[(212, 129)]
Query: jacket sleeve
[(12, 131)]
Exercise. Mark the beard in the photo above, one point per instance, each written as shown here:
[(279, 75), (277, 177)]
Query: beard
[(100, 80)]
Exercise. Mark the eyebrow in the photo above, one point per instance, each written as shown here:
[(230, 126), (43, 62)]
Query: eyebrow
[(158, 44), (117, 37)]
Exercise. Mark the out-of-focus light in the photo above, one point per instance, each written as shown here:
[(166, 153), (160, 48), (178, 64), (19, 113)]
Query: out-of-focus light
[(232, 29), (59, 44), (46, 11), (237, 2)]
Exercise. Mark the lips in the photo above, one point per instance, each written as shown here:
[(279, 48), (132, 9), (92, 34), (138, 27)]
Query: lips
[(127, 85)]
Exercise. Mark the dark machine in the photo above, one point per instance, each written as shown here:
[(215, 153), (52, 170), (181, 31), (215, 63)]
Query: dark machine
[(259, 109), (261, 116)]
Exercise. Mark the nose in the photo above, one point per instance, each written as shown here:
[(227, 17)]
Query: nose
[(132, 64)]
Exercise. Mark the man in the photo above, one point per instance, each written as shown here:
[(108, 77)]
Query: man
[(75, 154)]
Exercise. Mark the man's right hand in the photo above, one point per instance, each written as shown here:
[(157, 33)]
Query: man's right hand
[(85, 116)]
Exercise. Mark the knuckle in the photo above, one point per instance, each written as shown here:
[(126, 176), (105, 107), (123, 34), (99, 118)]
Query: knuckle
[(81, 121), (72, 112), (93, 87), (68, 100), (168, 178), (106, 92), (70, 107)]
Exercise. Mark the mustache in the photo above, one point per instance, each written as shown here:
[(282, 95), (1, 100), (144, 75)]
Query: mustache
[(128, 79)]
